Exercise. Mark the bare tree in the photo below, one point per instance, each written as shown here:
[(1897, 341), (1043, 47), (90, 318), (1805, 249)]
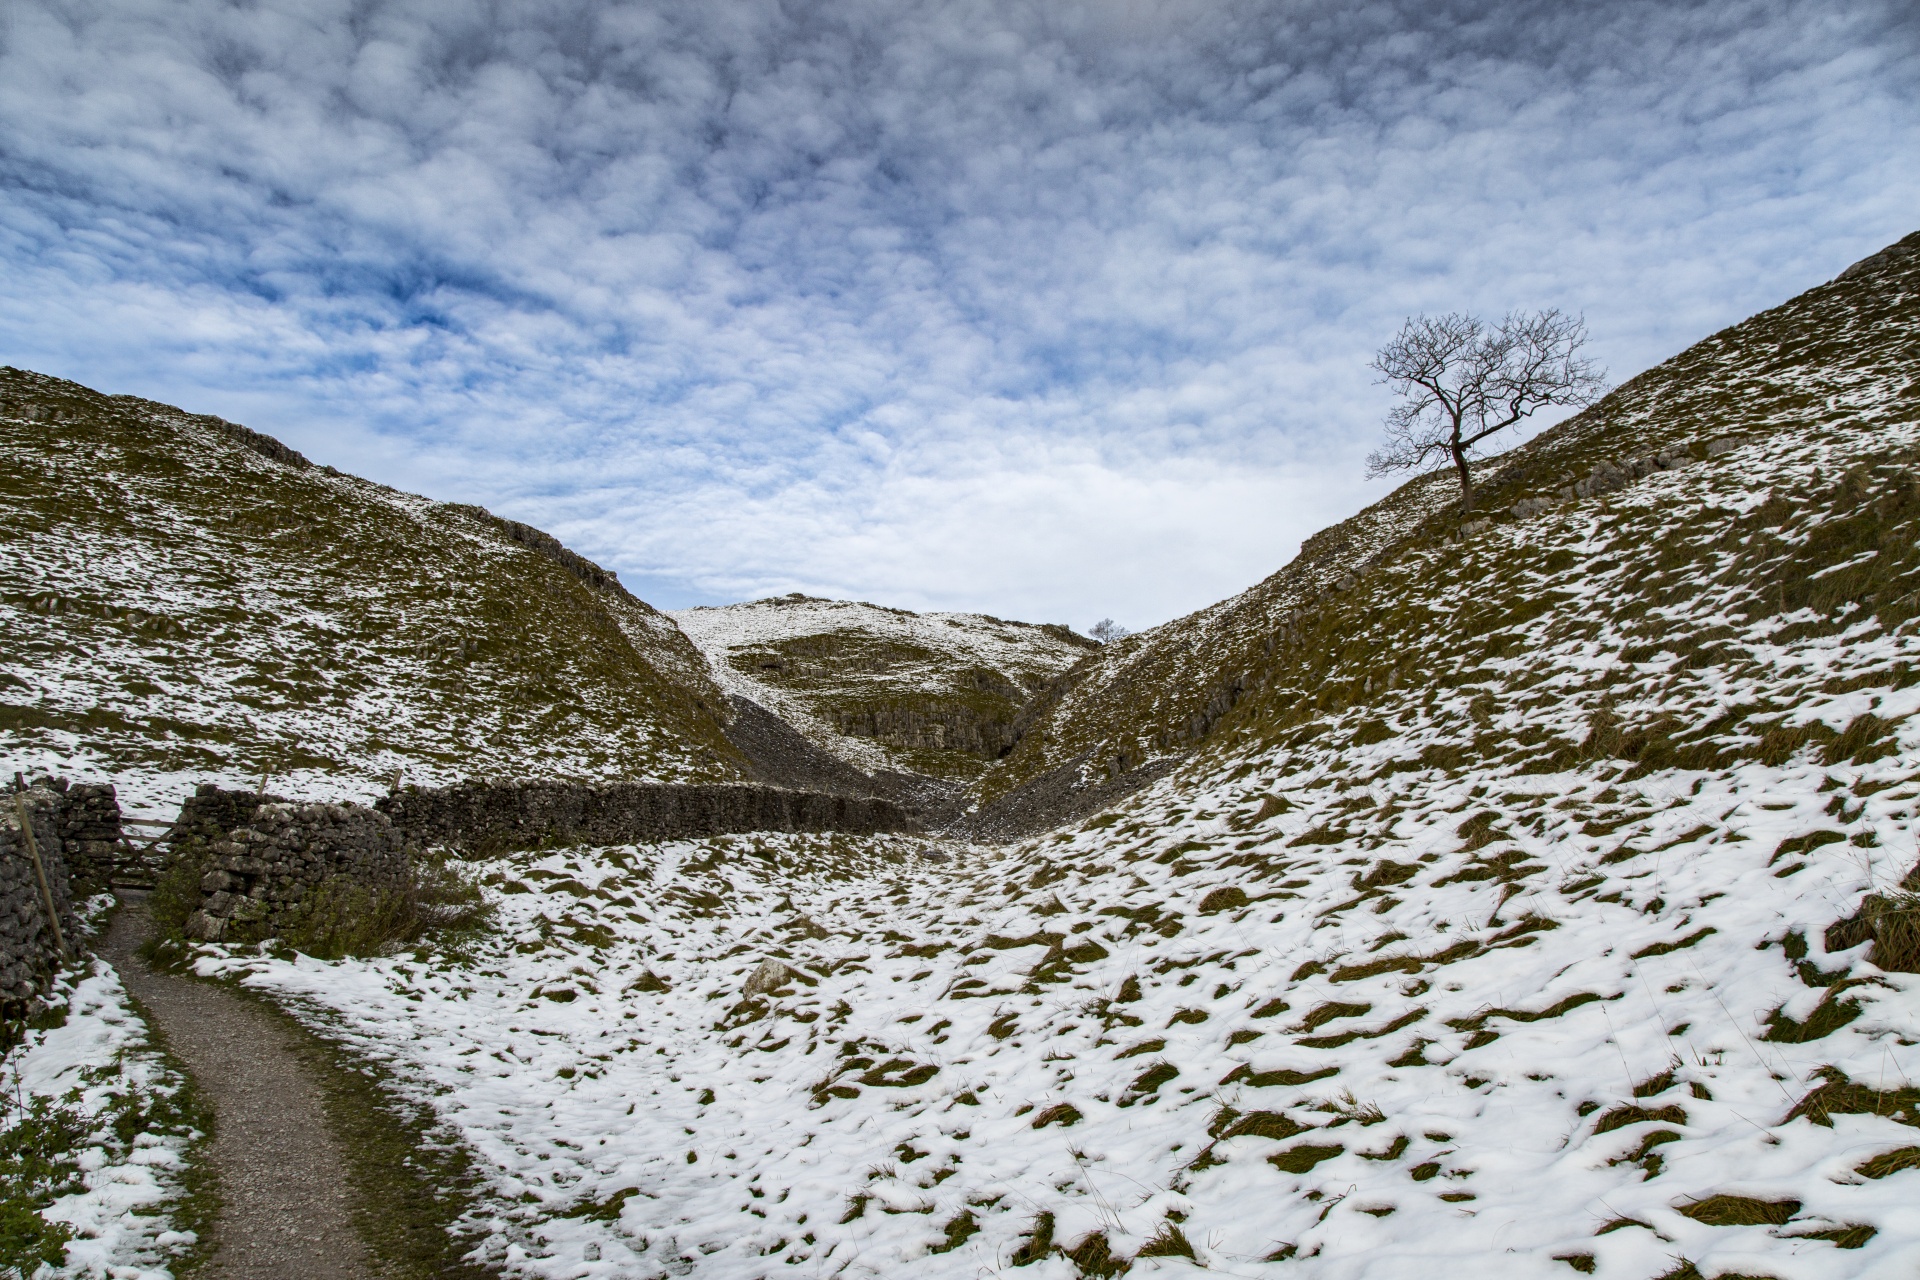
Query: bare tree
[(1461, 382), (1106, 631)]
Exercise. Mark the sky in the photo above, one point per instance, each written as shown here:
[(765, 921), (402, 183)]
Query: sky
[(1055, 310)]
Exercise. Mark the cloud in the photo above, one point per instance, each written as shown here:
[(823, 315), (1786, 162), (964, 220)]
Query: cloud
[(1052, 309)]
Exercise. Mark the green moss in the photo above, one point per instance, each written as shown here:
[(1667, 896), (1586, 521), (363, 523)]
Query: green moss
[(39, 1138), (38, 1143)]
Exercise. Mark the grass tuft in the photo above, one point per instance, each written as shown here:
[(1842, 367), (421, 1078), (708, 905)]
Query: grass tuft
[(1169, 1242), (1093, 1256), (1740, 1211), (1037, 1244), (1303, 1158), (340, 917), (958, 1229), (1888, 1163)]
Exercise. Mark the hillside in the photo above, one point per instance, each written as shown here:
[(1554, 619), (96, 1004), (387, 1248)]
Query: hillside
[(885, 689), (1847, 348), (186, 600), (1544, 904)]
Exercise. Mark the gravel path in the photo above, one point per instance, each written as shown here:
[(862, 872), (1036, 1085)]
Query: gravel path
[(284, 1214)]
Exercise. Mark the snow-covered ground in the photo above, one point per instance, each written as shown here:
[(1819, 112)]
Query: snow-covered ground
[(1399, 979), (1445, 1070), (136, 1133)]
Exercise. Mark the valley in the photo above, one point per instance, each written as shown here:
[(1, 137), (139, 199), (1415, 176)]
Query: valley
[(1535, 892)]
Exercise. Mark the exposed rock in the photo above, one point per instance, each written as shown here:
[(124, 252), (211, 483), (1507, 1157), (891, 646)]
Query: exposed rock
[(931, 724), (1897, 252), (1073, 791), (1605, 478), (1611, 476), (768, 978), (545, 544), (929, 803), (260, 442), (783, 757)]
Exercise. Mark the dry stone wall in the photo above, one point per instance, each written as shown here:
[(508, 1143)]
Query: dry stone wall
[(211, 813), (479, 817), (254, 877), (258, 858), (29, 952), (87, 821)]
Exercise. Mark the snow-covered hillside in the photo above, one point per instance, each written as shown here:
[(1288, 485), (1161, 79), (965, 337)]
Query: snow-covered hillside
[(1851, 346), (1493, 931), (183, 601), (885, 689)]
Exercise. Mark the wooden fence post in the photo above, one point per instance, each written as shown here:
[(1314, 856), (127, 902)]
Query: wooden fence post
[(40, 870)]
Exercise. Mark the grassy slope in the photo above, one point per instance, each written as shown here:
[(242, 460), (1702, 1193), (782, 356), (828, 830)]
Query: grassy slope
[(1488, 932), (885, 688), (1823, 355), (179, 606)]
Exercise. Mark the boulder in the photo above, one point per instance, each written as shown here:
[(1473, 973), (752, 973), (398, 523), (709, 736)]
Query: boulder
[(768, 978)]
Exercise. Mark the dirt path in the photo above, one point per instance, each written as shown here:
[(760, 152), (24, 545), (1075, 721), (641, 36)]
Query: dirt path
[(285, 1212)]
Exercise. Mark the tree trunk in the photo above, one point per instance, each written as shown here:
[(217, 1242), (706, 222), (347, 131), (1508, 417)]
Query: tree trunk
[(1466, 480)]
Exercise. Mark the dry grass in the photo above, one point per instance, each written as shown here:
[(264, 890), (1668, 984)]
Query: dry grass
[(1895, 923), (1168, 1242), (1740, 1211)]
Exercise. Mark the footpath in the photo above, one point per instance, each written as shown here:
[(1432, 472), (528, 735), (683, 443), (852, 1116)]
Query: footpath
[(284, 1212)]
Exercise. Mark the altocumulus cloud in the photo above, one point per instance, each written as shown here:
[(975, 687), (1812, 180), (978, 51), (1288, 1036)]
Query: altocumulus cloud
[(1054, 309)]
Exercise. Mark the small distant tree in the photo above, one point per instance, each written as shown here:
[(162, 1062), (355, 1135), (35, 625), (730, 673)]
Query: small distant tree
[(1106, 631), (1462, 381)]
